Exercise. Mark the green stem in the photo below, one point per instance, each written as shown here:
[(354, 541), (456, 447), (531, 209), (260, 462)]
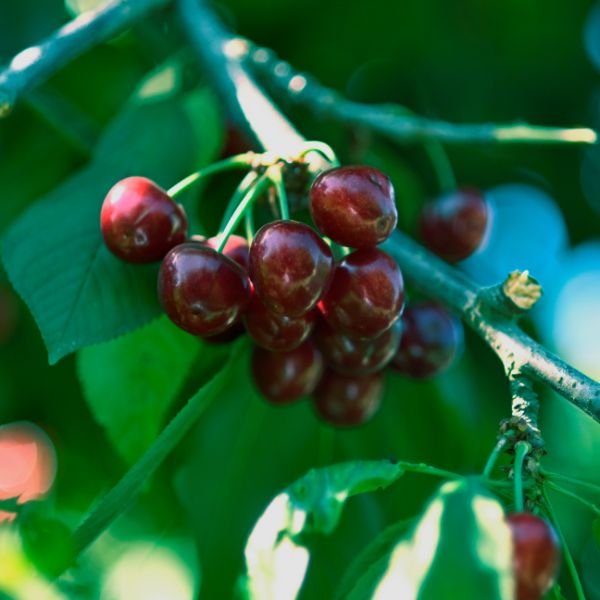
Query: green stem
[(428, 470), (246, 184), (441, 165), (249, 225), (521, 450), (246, 203), (565, 549), (275, 175), (240, 161), (325, 150), (120, 497), (572, 480), (491, 462), (575, 496)]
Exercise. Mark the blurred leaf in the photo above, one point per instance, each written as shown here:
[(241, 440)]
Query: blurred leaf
[(54, 254), (462, 540), (76, 7), (130, 383), (596, 531), (276, 560), (555, 593)]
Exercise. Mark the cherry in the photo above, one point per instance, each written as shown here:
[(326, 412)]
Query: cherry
[(345, 400), (290, 267), (431, 338), (366, 295), (354, 206), (236, 248), (454, 225), (536, 555), (357, 357), (225, 337), (283, 377), (140, 222), (202, 291), (277, 332)]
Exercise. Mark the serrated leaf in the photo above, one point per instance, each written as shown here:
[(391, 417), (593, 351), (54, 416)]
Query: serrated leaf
[(276, 559), (131, 382), (462, 540), (54, 254)]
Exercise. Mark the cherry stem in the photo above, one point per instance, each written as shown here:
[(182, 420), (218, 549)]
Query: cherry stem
[(575, 496), (325, 150), (441, 164), (249, 226), (275, 176), (240, 161), (572, 480), (565, 549), (521, 450), (246, 203), (491, 461), (247, 182)]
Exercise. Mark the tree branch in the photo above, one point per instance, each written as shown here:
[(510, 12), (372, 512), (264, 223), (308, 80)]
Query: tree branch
[(394, 121), (485, 312), (36, 64)]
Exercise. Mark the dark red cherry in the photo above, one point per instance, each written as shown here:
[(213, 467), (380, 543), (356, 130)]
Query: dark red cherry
[(431, 338), (201, 290), (453, 226), (354, 206), (356, 357), (290, 267), (536, 555), (277, 332), (236, 248), (225, 337), (366, 295), (283, 377), (347, 400), (140, 222)]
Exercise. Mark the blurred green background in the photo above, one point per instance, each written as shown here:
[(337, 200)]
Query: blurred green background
[(462, 61)]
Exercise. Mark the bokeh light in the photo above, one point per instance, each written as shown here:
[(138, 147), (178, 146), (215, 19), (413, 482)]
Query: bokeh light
[(526, 231)]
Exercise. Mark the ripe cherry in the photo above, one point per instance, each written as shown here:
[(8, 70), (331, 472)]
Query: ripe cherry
[(431, 338), (454, 225), (202, 291), (357, 357), (536, 555), (283, 377), (366, 295), (354, 206), (225, 337), (346, 400), (290, 267), (277, 332), (236, 248), (140, 222)]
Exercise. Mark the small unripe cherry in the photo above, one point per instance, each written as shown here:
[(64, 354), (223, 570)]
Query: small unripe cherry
[(202, 291), (536, 555), (453, 225), (283, 377), (354, 206), (140, 222), (346, 400)]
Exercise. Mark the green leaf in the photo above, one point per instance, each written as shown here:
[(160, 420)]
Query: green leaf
[(276, 559), (596, 531), (54, 254), (462, 540), (130, 383)]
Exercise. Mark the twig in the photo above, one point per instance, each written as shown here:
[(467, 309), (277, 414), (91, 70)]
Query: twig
[(394, 121), (36, 64)]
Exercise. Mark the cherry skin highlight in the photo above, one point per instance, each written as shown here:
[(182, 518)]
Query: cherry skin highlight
[(357, 357), (355, 206), (277, 332), (283, 377), (236, 248), (536, 555), (346, 400), (431, 338), (290, 267), (454, 225), (202, 291), (140, 222), (366, 295)]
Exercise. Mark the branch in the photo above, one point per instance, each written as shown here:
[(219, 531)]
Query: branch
[(394, 121), (491, 312), (34, 65)]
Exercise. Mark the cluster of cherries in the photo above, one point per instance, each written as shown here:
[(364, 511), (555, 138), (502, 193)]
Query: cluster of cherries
[(322, 327)]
